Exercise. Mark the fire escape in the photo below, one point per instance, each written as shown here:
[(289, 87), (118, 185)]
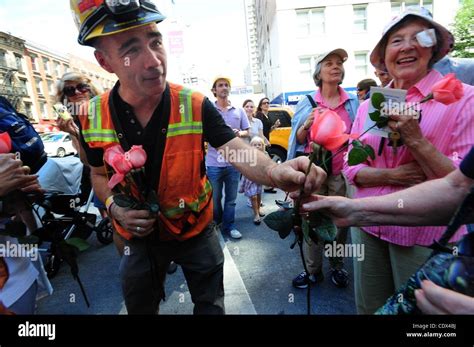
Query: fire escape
[(10, 86)]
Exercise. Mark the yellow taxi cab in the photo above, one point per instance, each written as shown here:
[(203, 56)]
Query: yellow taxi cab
[(279, 137)]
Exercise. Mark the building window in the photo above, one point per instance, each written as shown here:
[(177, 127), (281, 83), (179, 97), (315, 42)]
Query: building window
[(28, 110), (19, 62), (361, 64), (399, 6), (428, 4), (3, 58), (46, 66), (51, 88), (360, 18), (310, 21), (305, 67), (23, 86), (39, 87), (34, 63), (44, 110), (57, 68)]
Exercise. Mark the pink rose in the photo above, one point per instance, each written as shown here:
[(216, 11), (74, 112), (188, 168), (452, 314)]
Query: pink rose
[(111, 152), (328, 130), (5, 143), (136, 156), (121, 165), (115, 157), (448, 90)]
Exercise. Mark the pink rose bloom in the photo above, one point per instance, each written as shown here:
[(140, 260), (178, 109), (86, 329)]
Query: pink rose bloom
[(136, 156), (5, 143), (448, 90), (328, 130), (115, 157)]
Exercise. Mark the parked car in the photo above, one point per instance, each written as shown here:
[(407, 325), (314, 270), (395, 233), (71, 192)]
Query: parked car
[(58, 144), (280, 136)]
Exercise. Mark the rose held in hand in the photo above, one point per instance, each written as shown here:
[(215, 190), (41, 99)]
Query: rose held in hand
[(5, 143), (448, 90), (115, 157), (328, 130), (136, 156)]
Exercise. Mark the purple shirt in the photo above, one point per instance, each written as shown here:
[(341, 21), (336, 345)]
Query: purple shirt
[(450, 128), (235, 118)]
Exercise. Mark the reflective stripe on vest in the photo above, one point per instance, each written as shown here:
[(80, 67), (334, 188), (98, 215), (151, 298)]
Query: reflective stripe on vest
[(187, 125), (95, 133), (194, 206)]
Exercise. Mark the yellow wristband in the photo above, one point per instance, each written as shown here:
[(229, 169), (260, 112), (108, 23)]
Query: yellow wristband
[(108, 204)]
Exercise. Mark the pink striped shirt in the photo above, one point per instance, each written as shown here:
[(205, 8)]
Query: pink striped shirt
[(338, 159), (449, 128)]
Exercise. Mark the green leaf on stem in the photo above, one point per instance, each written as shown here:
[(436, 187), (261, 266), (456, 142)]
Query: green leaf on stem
[(357, 155), (375, 116), (69, 254), (357, 143), (382, 122), (370, 151), (281, 221), (322, 226), (377, 99), (79, 243)]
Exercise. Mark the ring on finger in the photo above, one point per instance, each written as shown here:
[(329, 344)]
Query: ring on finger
[(138, 229)]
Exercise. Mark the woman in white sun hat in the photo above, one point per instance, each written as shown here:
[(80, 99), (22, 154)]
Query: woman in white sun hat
[(431, 147)]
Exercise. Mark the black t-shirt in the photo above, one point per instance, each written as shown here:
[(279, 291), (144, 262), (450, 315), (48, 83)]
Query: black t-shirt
[(467, 165), (267, 124), (153, 136)]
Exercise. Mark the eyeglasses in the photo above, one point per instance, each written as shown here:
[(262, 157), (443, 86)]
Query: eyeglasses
[(71, 90), (265, 103)]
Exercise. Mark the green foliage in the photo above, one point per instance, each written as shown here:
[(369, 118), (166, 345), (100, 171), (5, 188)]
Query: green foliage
[(281, 221), (375, 116), (316, 227), (463, 30), (377, 99), (79, 243), (360, 153), (322, 226)]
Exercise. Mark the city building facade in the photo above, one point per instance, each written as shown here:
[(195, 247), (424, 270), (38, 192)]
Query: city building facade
[(292, 33), (29, 73)]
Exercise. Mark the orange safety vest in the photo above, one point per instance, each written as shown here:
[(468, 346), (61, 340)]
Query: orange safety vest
[(184, 196)]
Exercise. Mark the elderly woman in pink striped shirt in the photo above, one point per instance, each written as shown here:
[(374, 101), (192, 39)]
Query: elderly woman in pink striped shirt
[(432, 147)]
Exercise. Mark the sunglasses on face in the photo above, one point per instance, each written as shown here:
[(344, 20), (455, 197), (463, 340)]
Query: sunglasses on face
[(265, 103), (71, 90)]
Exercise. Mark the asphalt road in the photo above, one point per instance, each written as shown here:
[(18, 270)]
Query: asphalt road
[(258, 272)]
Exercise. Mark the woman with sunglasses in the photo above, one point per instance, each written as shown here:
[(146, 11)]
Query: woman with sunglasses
[(262, 114), (268, 127), (72, 90)]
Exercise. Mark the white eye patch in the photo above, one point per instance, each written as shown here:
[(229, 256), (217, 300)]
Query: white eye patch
[(426, 38)]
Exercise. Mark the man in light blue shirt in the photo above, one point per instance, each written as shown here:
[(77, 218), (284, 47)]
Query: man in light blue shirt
[(221, 173)]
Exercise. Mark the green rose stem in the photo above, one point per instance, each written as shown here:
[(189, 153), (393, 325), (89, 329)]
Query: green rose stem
[(297, 220), (312, 159)]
